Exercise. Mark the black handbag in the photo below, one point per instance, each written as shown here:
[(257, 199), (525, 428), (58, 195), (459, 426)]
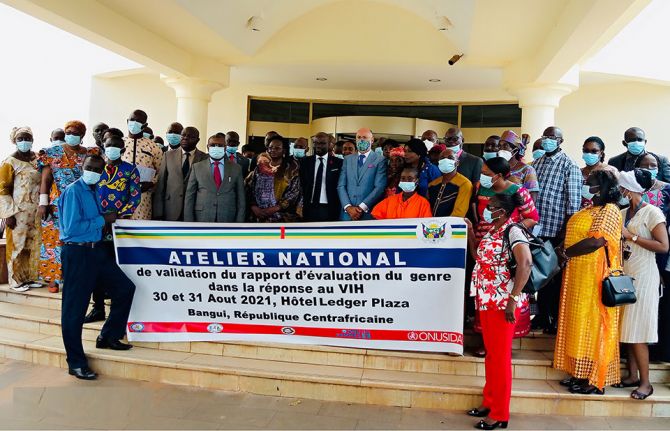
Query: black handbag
[(545, 261), (618, 288)]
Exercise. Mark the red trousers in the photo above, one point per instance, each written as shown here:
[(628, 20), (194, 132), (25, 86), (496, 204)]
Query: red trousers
[(498, 334)]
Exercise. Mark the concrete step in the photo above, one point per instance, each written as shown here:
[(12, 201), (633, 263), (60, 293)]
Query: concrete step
[(329, 382), (527, 364)]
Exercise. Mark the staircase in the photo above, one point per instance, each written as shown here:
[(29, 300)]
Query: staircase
[(30, 331)]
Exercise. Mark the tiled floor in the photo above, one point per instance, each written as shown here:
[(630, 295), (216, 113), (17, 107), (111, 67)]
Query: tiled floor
[(38, 397)]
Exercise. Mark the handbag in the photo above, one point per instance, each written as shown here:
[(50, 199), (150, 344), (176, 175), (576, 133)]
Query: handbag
[(545, 261), (618, 288)]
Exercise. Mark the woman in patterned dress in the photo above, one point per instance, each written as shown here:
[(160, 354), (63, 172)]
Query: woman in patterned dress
[(512, 149), (593, 154), (497, 298), (60, 166), (19, 194)]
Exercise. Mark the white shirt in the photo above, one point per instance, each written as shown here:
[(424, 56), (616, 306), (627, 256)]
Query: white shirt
[(190, 156), (323, 199)]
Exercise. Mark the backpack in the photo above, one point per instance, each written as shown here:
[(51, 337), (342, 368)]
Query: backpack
[(545, 262)]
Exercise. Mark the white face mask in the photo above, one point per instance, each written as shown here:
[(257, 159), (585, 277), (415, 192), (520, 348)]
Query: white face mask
[(507, 155)]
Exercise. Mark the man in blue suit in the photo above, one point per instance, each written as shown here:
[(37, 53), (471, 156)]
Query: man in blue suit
[(363, 179)]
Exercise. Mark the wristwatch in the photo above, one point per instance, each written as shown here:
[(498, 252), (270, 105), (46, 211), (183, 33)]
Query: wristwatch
[(634, 238), (516, 298)]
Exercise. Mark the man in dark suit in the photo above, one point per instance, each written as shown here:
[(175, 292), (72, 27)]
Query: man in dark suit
[(168, 201), (215, 190), (635, 141), (233, 156), (469, 166), (319, 175)]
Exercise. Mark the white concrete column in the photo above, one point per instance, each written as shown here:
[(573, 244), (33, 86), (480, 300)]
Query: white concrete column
[(538, 105), (193, 97)]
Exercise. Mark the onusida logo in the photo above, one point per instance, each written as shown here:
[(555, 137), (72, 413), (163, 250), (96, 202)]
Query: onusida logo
[(435, 336), (287, 330), (137, 327), (214, 328)]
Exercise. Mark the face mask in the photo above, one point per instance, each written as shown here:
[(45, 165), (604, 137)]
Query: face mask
[(489, 155), (217, 153), (146, 135), (379, 150), (636, 147), (363, 145), (298, 153), (488, 216), (538, 153), (72, 140), (549, 145), (653, 172), (590, 159), (624, 201), (505, 154), (173, 139), (339, 156), (24, 146), (57, 142), (230, 150), (113, 153), (486, 181), (134, 127), (428, 144), (456, 149), (407, 186), (586, 192), (90, 177), (446, 166)]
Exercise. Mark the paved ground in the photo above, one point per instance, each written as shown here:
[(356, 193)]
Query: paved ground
[(38, 397)]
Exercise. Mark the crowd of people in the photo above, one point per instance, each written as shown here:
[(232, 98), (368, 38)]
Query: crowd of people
[(59, 204)]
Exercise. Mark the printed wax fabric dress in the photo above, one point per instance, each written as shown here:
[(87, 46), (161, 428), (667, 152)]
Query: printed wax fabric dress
[(119, 191), (19, 197)]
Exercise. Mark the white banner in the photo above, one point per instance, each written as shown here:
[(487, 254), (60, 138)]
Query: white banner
[(383, 284)]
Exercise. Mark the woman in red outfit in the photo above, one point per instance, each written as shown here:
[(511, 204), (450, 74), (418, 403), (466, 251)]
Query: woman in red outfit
[(498, 294)]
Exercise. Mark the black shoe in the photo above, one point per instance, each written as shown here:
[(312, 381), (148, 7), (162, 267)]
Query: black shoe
[(102, 343), (476, 413), (83, 373), (95, 316), (572, 381), (586, 390), (482, 425)]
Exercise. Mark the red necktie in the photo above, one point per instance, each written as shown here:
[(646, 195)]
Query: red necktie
[(232, 158), (217, 174)]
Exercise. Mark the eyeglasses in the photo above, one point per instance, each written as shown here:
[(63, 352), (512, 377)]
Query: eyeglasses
[(452, 139), (548, 137)]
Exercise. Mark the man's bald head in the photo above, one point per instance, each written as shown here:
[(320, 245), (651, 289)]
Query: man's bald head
[(364, 133), (634, 134), (454, 137), (429, 135), (554, 132)]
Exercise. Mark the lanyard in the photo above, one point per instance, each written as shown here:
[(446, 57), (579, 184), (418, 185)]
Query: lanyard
[(629, 217)]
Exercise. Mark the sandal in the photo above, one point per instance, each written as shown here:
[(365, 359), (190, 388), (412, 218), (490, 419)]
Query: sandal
[(481, 353), (23, 287), (586, 390), (637, 395), (622, 384)]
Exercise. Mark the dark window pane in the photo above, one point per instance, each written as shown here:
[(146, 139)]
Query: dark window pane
[(491, 116), (447, 114), (279, 111)]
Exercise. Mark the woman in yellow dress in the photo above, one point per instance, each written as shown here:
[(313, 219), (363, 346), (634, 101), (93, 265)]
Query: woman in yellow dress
[(587, 343)]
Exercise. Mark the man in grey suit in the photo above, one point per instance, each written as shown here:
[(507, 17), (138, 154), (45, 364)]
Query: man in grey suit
[(168, 201), (215, 190), (363, 179)]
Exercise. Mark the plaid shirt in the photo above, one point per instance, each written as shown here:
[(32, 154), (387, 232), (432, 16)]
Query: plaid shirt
[(560, 192)]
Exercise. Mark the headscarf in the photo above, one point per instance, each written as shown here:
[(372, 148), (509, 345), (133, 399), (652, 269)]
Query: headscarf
[(438, 148), (397, 152), (78, 125), (627, 181), (17, 130)]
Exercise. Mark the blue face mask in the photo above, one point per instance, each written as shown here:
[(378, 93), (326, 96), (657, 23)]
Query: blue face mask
[(379, 150), (57, 142), (24, 146), (339, 156), (363, 145), (489, 155), (113, 153), (146, 135), (173, 139), (538, 153), (636, 147), (230, 150), (134, 127), (446, 166), (549, 145), (407, 186), (456, 148), (217, 153), (72, 140), (486, 181), (586, 192), (624, 201), (653, 172), (90, 177), (487, 215), (590, 159), (298, 153)]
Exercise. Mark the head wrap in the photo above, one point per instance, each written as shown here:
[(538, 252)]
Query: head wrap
[(627, 181), (397, 152), (511, 137), (16, 130), (438, 148), (78, 125), (418, 147)]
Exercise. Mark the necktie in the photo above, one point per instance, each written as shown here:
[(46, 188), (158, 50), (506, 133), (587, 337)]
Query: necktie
[(361, 158), (318, 181), (185, 166), (217, 174), (232, 158)]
